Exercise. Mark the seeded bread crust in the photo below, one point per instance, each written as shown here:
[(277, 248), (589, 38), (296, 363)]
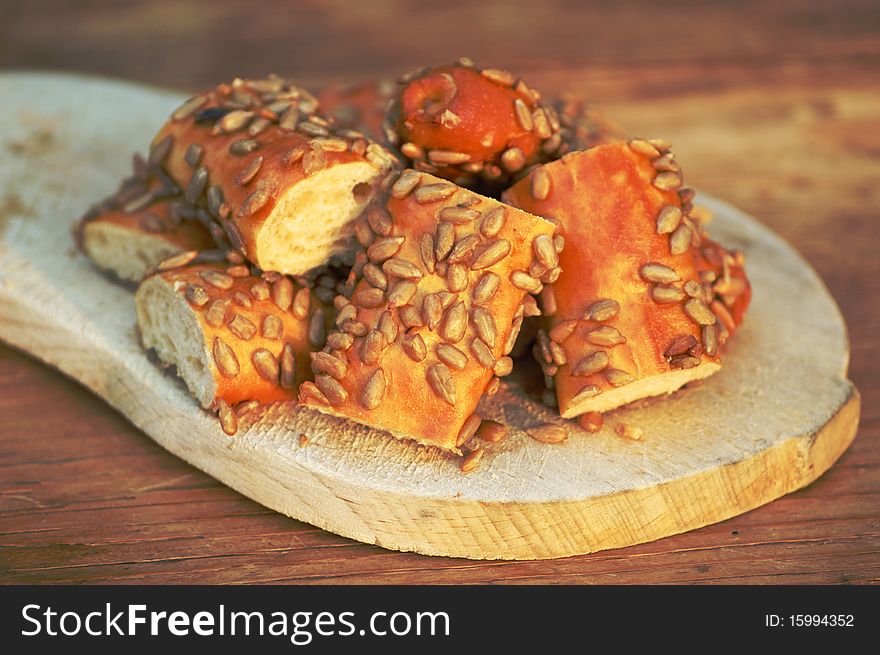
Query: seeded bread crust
[(283, 181), (437, 300), (233, 336), (359, 106), (631, 315)]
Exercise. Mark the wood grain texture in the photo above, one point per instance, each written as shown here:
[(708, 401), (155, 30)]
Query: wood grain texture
[(789, 88)]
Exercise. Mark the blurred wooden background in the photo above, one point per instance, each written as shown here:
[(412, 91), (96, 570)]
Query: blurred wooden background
[(773, 106)]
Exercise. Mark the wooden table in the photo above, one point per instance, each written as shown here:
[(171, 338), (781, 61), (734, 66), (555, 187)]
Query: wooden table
[(772, 106)]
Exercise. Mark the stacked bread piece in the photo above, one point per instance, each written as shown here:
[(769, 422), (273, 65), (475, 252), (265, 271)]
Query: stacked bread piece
[(376, 256)]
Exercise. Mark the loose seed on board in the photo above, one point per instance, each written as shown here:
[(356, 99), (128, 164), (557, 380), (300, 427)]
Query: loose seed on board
[(440, 380), (470, 461), (468, 429), (225, 358), (242, 327), (605, 336), (659, 273), (591, 421), (591, 364), (374, 390), (604, 309), (628, 431), (698, 311), (491, 431), (548, 433)]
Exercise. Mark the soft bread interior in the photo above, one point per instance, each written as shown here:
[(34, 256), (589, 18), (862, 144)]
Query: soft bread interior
[(169, 326), (655, 385), (312, 221), (129, 253)]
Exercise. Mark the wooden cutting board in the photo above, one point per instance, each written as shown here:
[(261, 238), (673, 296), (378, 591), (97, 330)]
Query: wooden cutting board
[(775, 418)]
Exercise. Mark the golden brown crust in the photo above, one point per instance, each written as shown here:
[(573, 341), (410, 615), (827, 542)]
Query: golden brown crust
[(433, 311), (258, 331), (237, 149), (466, 124), (630, 304)]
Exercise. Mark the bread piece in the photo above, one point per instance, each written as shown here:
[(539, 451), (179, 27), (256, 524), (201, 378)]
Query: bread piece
[(629, 317), (141, 224), (283, 181), (469, 124), (233, 336), (437, 300)]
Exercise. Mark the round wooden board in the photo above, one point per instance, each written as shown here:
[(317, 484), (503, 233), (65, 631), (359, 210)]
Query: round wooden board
[(779, 413)]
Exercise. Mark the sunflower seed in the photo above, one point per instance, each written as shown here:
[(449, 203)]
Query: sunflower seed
[(260, 290), (314, 159), (680, 345), (293, 155), (499, 76), (374, 275), (249, 172), (493, 221), (545, 251), (217, 279), (399, 267), (235, 121), (558, 354), (484, 324), (454, 323), (410, 316), (160, 150), (524, 281), (591, 421), (540, 185), (659, 273), (384, 248), (441, 382), (404, 184), (549, 434), (196, 185), (272, 327), (667, 294), (189, 107), (482, 353), (254, 203), (374, 390), (335, 392), (666, 163), (196, 295), (242, 327), (503, 367), (523, 115), (591, 364), (491, 254), (644, 148), (339, 340), (684, 361), (317, 333), (300, 306), (225, 358), (456, 277), (513, 160), (491, 431), (401, 293), (426, 251), (710, 340), (372, 347), (380, 221), (458, 215), (243, 147), (414, 346), (216, 314), (442, 157), (668, 181), (561, 331), (444, 240), (668, 219), (426, 193), (193, 154), (588, 391), (451, 356), (617, 377), (628, 431), (602, 310), (432, 310), (471, 461), (369, 297), (238, 271), (698, 311), (282, 293), (463, 249), (680, 239), (605, 336)]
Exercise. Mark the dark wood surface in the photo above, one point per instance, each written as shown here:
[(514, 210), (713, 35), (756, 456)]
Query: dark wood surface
[(774, 106)]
